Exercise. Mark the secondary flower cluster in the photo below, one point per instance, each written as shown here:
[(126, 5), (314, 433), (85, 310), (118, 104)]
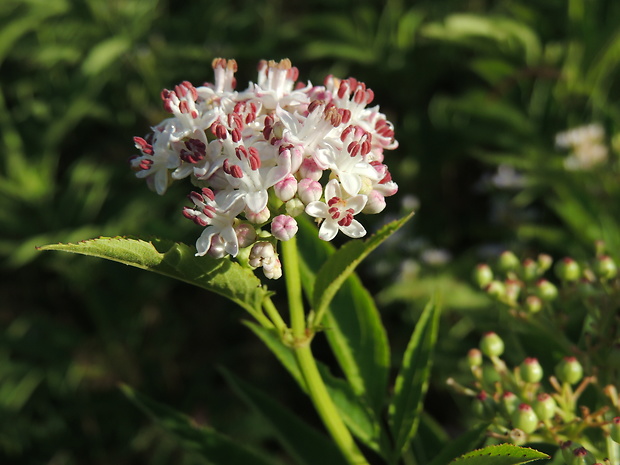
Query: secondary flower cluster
[(265, 155)]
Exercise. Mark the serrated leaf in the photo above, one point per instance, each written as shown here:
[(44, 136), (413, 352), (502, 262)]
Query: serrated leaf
[(412, 380), (305, 444), (215, 447), (178, 261), (502, 454), (353, 325), (341, 264)]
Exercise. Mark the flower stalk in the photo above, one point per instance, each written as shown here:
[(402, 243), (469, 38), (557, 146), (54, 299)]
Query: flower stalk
[(307, 364)]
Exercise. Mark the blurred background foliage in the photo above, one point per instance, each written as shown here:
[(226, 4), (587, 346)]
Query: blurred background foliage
[(478, 91)]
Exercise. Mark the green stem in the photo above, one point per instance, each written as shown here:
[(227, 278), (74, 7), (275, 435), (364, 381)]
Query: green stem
[(274, 315), (307, 364)]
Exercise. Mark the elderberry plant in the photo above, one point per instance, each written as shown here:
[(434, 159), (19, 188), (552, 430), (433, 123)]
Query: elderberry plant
[(269, 162)]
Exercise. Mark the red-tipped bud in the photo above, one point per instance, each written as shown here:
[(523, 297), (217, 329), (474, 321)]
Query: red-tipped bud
[(525, 419), (569, 370), (491, 345), (567, 269), (531, 371), (483, 275), (545, 406)]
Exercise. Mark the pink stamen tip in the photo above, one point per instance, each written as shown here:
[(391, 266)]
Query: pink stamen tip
[(208, 193), (236, 171), (236, 135), (208, 211), (333, 201)]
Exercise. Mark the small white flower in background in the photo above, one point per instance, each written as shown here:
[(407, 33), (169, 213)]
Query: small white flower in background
[(586, 144), (269, 153)]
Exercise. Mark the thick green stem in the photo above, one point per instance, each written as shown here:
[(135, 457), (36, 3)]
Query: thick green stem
[(307, 364)]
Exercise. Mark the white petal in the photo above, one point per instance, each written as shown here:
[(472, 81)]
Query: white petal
[(161, 181), (256, 201), (204, 241), (328, 230), (350, 182), (229, 237), (332, 189), (317, 209), (354, 230), (357, 203)]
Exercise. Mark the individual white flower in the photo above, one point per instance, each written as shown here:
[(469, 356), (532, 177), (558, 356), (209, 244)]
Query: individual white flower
[(337, 213), (217, 221), (275, 86), (157, 158)]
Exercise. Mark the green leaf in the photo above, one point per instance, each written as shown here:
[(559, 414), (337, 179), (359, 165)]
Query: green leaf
[(305, 444), (178, 261), (341, 264), (353, 324), (412, 380), (460, 445), (503, 454), (215, 447)]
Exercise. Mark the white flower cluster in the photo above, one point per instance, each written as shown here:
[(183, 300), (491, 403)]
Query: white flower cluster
[(317, 149), (586, 144)]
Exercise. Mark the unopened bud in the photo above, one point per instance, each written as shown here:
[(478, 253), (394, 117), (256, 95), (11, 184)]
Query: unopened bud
[(545, 406), (283, 227), (517, 436), (309, 190), (569, 370), (246, 234), (295, 207), (530, 270), (483, 275), (483, 406), (525, 419), (474, 358), (533, 304), (581, 456), (546, 290), (491, 345), (258, 218), (605, 268), (509, 402), (496, 289), (544, 262), (567, 269), (286, 189), (375, 204), (614, 431), (531, 371), (513, 289), (508, 261)]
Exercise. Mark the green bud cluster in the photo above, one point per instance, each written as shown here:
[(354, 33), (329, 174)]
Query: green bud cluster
[(526, 403)]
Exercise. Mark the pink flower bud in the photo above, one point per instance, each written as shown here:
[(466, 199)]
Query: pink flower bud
[(309, 169), (286, 189), (246, 234), (217, 249), (309, 190), (283, 227), (258, 218), (375, 203)]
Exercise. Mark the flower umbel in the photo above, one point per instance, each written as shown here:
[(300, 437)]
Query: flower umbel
[(259, 156)]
